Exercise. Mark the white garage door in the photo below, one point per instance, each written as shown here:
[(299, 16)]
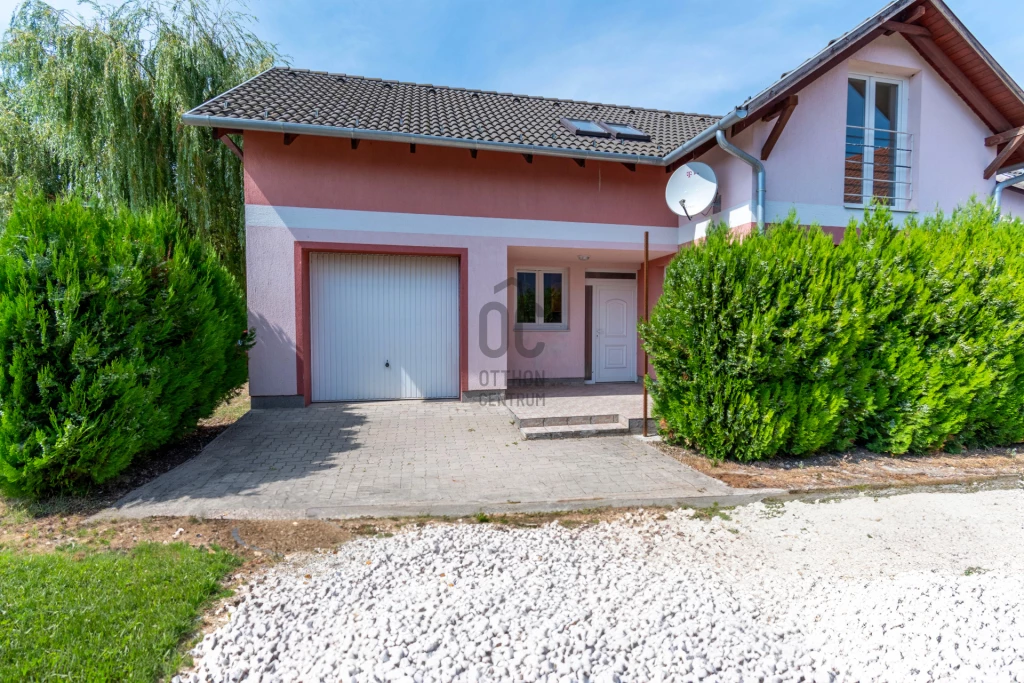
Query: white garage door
[(384, 327)]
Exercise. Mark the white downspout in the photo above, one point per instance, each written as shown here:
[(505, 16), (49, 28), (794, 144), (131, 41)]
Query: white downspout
[(755, 164)]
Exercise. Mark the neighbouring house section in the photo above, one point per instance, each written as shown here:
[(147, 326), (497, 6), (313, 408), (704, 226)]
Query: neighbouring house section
[(888, 122), (409, 241)]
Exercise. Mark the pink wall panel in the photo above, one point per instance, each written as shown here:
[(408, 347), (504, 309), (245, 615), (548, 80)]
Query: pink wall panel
[(657, 273), (270, 290), (562, 356), (381, 176)]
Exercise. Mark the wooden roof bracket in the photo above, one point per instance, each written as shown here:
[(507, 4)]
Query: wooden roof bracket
[(1012, 145), (222, 135), (906, 25), (784, 114), (289, 138), (906, 29), (1004, 137)]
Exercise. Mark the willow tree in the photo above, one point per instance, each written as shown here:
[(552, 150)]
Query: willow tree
[(94, 106), (23, 155)]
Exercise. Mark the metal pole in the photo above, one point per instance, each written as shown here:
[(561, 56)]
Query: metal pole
[(647, 305)]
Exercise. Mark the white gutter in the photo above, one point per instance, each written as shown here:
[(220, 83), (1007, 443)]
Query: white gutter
[(413, 138)]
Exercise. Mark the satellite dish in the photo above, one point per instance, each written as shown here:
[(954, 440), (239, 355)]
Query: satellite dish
[(691, 189)]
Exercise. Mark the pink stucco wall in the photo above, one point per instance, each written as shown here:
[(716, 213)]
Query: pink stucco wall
[(805, 170), (320, 190), (657, 275), (382, 176), (562, 356)]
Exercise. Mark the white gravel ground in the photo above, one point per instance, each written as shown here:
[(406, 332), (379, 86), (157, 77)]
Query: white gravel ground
[(920, 587)]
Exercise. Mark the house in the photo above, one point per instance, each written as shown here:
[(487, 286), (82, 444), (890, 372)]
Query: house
[(418, 241)]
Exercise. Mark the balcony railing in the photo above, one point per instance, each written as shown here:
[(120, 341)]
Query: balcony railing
[(878, 167)]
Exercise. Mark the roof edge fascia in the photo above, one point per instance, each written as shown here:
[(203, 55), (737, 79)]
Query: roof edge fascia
[(205, 120)]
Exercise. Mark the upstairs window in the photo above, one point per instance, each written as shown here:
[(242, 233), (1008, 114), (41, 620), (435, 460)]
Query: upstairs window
[(878, 146)]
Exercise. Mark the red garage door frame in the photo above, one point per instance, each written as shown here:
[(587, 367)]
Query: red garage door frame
[(303, 354)]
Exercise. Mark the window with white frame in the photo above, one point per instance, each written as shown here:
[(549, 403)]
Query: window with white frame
[(539, 299), (878, 146)]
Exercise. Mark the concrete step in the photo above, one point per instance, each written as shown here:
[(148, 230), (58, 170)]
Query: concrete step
[(575, 431), (570, 420), (636, 425)]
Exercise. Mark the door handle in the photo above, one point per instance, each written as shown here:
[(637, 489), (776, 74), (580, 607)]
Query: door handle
[(387, 364)]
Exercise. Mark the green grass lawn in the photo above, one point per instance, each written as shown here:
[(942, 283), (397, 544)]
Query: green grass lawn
[(102, 615)]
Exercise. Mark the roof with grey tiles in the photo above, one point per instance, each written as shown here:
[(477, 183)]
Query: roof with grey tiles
[(298, 96)]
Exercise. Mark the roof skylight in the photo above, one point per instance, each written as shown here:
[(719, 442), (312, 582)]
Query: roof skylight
[(589, 128), (624, 131), (603, 129)]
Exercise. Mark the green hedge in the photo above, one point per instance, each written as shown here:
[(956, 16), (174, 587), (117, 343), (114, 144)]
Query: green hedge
[(898, 340), (118, 332)]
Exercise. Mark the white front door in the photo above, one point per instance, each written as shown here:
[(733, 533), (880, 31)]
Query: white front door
[(615, 332)]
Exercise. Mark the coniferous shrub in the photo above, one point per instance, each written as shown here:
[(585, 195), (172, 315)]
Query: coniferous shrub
[(118, 332), (899, 340), (945, 352), (751, 350)]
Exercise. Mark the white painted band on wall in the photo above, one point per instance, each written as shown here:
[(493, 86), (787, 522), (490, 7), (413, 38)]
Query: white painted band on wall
[(294, 217)]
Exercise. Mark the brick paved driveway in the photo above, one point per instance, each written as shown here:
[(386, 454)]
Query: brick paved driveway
[(344, 460)]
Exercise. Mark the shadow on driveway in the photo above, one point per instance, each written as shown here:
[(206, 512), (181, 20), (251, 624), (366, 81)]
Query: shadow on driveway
[(407, 458)]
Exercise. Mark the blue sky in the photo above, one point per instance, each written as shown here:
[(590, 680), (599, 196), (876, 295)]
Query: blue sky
[(702, 57)]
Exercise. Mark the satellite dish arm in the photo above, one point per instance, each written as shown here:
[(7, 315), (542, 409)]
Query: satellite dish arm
[(755, 164)]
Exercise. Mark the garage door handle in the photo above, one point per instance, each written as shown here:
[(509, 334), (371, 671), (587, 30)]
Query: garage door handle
[(387, 364)]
